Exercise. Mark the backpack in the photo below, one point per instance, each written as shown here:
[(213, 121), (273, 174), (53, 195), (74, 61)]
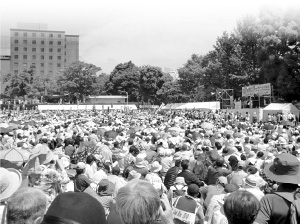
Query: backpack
[(295, 205)]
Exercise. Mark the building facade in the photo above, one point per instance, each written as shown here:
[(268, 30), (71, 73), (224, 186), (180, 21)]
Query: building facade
[(49, 51)]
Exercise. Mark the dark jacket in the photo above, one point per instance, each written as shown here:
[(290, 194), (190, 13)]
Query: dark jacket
[(189, 177)]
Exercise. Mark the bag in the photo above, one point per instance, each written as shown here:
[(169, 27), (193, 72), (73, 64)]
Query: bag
[(295, 205)]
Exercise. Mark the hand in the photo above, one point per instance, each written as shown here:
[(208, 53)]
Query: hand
[(166, 214)]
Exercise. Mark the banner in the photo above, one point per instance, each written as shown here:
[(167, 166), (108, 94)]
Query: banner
[(260, 90), (238, 104)]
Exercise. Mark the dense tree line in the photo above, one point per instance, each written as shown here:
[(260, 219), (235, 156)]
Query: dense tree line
[(261, 49)]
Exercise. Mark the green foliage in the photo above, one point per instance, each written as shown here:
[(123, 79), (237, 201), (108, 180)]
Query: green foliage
[(79, 79), (124, 78)]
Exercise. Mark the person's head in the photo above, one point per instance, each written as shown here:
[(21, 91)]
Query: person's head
[(193, 190), (80, 168), (134, 150), (90, 159), (218, 145), (75, 207), (220, 161), (138, 202), (127, 170), (116, 170), (241, 207), (26, 206), (184, 164), (259, 154)]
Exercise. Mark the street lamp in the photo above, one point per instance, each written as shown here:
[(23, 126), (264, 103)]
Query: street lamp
[(127, 98)]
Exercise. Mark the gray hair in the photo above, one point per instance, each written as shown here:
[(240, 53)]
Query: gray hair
[(26, 205), (138, 203)]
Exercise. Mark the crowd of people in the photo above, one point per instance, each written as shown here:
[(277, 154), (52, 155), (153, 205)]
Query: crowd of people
[(144, 167)]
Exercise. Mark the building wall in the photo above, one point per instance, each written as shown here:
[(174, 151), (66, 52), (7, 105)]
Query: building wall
[(106, 100), (47, 50), (72, 49)]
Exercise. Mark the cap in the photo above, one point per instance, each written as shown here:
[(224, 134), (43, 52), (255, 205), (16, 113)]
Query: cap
[(80, 166)]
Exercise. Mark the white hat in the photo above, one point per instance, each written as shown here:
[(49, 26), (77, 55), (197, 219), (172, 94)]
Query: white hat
[(10, 181)]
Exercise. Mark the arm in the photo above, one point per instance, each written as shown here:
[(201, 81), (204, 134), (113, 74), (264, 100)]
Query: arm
[(264, 212)]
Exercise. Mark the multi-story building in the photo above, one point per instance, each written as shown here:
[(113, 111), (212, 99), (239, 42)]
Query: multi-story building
[(172, 71), (49, 51)]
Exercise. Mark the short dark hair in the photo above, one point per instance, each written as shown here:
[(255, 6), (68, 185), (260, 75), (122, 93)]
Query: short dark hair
[(133, 149), (90, 159), (241, 207), (185, 164), (260, 154), (218, 145), (115, 170)]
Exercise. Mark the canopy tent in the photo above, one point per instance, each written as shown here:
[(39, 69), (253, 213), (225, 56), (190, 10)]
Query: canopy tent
[(191, 106), (284, 108)]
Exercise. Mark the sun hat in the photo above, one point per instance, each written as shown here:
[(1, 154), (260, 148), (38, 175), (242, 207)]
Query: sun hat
[(155, 167), (229, 188), (133, 175), (284, 169), (250, 181), (71, 207), (177, 156), (80, 166), (105, 187), (222, 180), (10, 181), (180, 181), (139, 161)]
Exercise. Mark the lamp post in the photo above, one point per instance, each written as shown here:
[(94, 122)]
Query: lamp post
[(127, 98)]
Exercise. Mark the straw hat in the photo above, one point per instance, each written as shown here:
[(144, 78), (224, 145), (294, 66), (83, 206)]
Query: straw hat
[(10, 181), (180, 181), (155, 167)]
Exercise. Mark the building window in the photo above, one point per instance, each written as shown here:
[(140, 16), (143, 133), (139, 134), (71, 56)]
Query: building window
[(33, 57), (34, 49), (33, 41), (50, 50), (16, 48), (24, 41), (42, 42), (58, 65), (16, 64), (58, 42), (16, 72), (16, 56), (33, 64), (25, 34), (24, 56), (25, 49), (42, 72), (33, 34), (42, 50), (58, 49), (50, 57), (51, 42), (58, 57), (50, 64), (16, 41), (42, 57), (59, 35), (51, 35), (42, 64), (16, 34), (42, 35)]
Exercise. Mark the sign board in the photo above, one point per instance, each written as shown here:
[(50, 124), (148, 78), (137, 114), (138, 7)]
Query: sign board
[(260, 90), (238, 104)]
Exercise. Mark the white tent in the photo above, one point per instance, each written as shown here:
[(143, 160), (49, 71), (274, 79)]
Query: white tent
[(284, 108)]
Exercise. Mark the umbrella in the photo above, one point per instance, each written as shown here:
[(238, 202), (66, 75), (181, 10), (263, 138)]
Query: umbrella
[(268, 127), (135, 129), (150, 130), (5, 130), (8, 164), (110, 134), (3, 125), (90, 123), (101, 131), (207, 125), (243, 126), (13, 126), (31, 123), (15, 122), (228, 132), (175, 129)]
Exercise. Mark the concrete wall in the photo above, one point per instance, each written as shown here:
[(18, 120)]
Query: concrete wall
[(259, 112), (106, 100)]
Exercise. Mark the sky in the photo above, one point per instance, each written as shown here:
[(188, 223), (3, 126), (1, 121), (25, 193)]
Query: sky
[(162, 33)]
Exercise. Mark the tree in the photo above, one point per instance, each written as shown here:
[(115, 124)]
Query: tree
[(20, 85), (79, 79), (151, 81), (124, 78)]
